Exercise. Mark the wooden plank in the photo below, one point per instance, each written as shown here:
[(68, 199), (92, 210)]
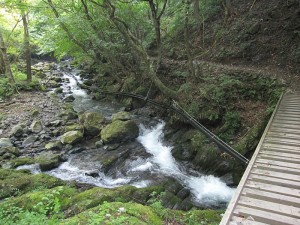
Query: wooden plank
[(283, 141), (281, 154), (282, 164), (272, 197), (244, 221), (275, 181), (265, 217), (278, 168), (283, 135), (285, 130), (277, 208), (287, 118), (286, 121), (279, 158), (279, 147), (273, 188), (291, 126), (269, 173)]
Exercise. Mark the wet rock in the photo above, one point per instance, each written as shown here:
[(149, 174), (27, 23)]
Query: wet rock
[(69, 98), (120, 131), (55, 123), (58, 90), (5, 142), (36, 126), (55, 145), (17, 130), (92, 174), (29, 141), (123, 116), (69, 114), (53, 84), (76, 150), (48, 160), (73, 127), (35, 112), (111, 147), (99, 144), (10, 150), (92, 122), (71, 137)]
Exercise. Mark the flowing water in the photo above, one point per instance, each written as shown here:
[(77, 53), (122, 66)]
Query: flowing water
[(158, 163)]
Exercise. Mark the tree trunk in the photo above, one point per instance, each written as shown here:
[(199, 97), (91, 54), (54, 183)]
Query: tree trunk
[(2, 68), (6, 62), (27, 48)]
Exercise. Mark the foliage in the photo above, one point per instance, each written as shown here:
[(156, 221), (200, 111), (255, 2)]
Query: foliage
[(6, 89), (44, 212)]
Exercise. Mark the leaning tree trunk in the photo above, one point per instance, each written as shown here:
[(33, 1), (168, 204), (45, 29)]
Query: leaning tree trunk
[(27, 48), (6, 62)]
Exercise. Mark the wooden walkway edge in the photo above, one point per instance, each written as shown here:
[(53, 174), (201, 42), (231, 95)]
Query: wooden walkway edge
[(269, 191)]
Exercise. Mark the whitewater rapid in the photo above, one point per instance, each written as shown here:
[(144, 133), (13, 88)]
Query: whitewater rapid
[(208, 190)]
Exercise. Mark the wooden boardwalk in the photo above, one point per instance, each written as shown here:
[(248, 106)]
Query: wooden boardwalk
[(269, 191)]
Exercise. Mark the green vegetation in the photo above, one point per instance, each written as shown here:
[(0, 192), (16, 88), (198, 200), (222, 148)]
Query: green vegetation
[(46, 202)]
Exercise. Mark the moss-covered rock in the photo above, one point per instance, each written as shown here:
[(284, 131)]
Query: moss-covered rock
[(5, 142), (69, 114), (123, 116), (117, 213), (54, 145), (73, 127), (71, 137), (29, 201), (17, 130), (36, 126), (13, 182), (21, 161), (92, 122), (96, 196), (48, 160), (120, 131), (9, 149)]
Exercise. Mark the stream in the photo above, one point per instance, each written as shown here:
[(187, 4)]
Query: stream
[(148, 160)]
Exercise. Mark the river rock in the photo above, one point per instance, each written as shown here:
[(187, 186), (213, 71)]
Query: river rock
[(54, 145), (69, 114), (69, 98), (73, 127), (123, 116), (5, 142), (48, 160), (36, 126), (92, 122), (17, 130), (120, 131), (10, 150), (29, 141), (71, 137)]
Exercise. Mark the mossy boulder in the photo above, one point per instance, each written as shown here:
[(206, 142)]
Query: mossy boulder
[(71, 137), (48, 160), (29, 201), (54, 145), (36, 126), (9, 149), (117, 213), (16, 182), (120, 131), (21, 161), (92, 122), (69, 114), (5, 142), (17, 130), (123, 116), (73, 127), (96, 196)]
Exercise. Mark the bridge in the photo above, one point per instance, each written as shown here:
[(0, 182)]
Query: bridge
[(269, 191)]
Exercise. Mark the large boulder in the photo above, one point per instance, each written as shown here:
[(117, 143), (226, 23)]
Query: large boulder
[(71, 137), (92, 122), (48, 160), (5, 142), (124, 116), (36, 126), (120, 131)]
